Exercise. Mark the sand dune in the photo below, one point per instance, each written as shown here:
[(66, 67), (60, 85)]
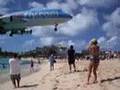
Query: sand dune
[(61, 79)]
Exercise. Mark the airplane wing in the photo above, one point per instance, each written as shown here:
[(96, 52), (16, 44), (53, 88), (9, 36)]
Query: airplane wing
[(2, 23), (13, 29)]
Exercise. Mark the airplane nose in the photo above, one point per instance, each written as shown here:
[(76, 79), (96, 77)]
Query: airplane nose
[(69, 16)]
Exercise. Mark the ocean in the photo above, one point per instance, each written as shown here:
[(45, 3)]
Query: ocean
[(4, 63), (4, 68)]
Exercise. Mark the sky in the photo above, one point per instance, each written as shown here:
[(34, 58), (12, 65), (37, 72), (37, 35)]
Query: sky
[(98, 19)]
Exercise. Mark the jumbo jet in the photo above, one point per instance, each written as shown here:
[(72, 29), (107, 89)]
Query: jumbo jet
[(19, 22)]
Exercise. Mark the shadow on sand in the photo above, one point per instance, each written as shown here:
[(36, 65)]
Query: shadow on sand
[(110, 79), (84, 70), (28, 86)]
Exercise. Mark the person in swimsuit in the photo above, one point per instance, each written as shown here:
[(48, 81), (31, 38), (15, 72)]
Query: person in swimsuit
[(94, 59), (31, 65)]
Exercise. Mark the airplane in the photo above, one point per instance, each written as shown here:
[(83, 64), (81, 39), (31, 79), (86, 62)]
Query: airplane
[(19, 22)]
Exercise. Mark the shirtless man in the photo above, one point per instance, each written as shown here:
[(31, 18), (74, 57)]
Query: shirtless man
[(94, 60), (71, 58)]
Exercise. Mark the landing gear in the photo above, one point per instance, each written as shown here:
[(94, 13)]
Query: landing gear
[(30, 31), (11, 34), (26, 32), (55, 29), (19, 32)]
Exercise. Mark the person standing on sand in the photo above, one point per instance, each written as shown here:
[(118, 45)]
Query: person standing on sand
[(31, 65), (71, 58), (15, 71), (51, 61), (94, 51)]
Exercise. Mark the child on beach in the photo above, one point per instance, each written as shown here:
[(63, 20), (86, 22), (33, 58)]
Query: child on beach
[(15, 70), (71, 58), (94, 60)]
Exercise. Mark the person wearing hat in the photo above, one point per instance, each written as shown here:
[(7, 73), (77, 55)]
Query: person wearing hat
[(94, 51)]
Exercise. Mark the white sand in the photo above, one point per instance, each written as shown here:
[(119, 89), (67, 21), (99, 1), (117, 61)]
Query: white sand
[(61, 79)]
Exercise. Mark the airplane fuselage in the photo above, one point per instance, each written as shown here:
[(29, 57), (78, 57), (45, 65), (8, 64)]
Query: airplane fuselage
[(34, 17)]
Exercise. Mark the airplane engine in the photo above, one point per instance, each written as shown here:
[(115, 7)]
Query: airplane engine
[(28, 32), (20, 32), (2, 31), (11, 18), (11, 34)]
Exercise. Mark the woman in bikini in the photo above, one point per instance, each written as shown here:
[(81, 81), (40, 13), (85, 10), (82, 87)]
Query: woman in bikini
[(94, 59)]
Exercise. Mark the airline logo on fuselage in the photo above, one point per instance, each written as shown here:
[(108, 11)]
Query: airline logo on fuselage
[(46, 14)]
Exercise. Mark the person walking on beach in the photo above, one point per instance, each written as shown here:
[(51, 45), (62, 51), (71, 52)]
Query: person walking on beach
[(94, 51), (51, 61), (15, 71), (71, 58), (31, 65)]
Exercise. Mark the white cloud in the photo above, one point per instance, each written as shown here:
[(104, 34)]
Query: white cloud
[(29, 44), (54, 4), (78, 44), (72, 4), (98, 3), (115, 16), (3, 10), (3, 3), (112, 26), (67, 6), (109, 44), (114, 43), (102, 39), (47, 41), (64, 6), (35, 4), (80, 23), (43, 31), (103, 42), (66, 43), (70, 42)]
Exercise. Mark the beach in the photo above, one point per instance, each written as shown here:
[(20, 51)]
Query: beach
[(61, 79), (25, 68)]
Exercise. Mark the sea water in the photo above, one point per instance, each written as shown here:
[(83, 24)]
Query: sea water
[(4, 68)]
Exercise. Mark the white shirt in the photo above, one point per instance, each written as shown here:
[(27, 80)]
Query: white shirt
[(51, 59), (14, 66)]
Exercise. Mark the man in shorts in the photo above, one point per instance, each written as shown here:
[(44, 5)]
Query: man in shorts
[(71, 58), (15, 71), (52, 61)]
